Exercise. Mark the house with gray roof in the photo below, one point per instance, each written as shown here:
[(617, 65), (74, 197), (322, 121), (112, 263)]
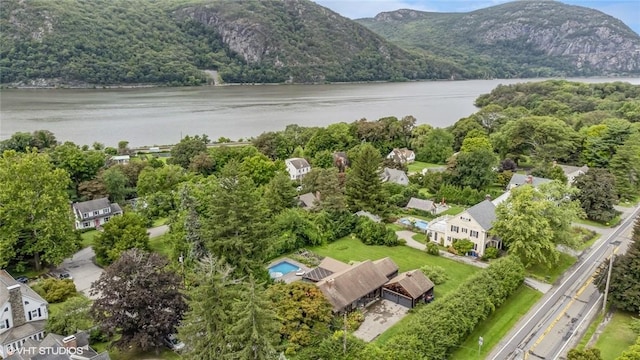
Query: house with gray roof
[(409, 289), (473, 224), (372, 217), (94, 213), (521, 179), (326, 268), (297, 168), (23, 314), (308, 201), (402, 156), (572, 172), (357, 286), (394, 176), (58, 347)]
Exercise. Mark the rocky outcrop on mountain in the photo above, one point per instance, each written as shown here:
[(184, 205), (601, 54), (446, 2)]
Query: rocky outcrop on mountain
[(522, 33)]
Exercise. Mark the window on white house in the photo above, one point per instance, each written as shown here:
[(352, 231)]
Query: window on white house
[(85, 215), (96, 212), (107, 210), (455, 228), (106, 219), (464, 230), (473, 233), (85, 224), (4, 325)]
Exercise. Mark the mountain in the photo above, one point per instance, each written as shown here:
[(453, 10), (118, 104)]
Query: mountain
[(173, 41), (518, 39), (181, 42)]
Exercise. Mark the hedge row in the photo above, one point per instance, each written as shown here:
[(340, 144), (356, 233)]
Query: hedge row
[(440, 327)]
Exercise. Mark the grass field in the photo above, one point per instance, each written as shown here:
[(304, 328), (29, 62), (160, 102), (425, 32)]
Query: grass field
[(590, 331), (496, 326), (617, 336), (160, 221), (161, 245), (421, 238), (417, 166), (87, 238), (550, 275), (348, 249), (610, 224)]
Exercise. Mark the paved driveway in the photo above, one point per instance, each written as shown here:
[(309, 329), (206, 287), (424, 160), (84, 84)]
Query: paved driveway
[(82, 269), (380, 317)]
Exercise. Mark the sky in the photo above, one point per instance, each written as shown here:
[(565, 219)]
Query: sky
[(626, 10)]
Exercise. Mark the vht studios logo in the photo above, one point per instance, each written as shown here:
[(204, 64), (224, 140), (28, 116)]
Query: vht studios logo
[(49, 351)]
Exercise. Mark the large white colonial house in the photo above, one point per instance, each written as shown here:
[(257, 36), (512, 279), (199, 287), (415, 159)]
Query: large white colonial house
[(297, 168), (23, 314), (94, 213), (472, 224)]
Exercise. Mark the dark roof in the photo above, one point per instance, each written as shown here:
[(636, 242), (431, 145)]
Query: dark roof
[(414, 282), (520, 179), (420, 204), (317, 274), (343, 288), (386, 266), (55, 341), (308, 200), (20, 332), (298, 163), (484, 213), (92, 205)]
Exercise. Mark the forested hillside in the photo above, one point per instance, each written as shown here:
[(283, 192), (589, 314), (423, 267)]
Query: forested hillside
[(172, 42), (518, 39)]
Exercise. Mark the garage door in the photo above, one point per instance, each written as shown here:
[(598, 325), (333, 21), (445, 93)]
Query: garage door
[(396, 298)]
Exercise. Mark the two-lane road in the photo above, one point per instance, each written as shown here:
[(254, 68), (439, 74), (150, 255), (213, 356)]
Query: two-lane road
[(546, 330)]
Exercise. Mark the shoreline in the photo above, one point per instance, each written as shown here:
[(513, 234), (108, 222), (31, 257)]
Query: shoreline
[(61, 86)]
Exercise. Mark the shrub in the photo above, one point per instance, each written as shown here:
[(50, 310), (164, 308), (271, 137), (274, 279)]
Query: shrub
[(432, 249), (452, 250), (55, 290), (439, 328), (354, 320), (437, 274), (490, 253), (463, 246), (372, 233)]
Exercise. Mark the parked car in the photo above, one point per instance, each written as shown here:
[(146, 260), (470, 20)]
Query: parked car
[(22, 279), (173, 342), (65, 275)]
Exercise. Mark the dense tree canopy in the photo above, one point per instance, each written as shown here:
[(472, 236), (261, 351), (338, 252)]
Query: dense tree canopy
[(139, 299), (597, 194), (120, 234), (364, 185), (34, 211)]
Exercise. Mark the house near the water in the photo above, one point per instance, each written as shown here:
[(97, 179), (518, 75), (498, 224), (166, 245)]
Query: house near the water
[(94, 213)]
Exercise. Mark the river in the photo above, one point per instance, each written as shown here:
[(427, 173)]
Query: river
[(158, 116)]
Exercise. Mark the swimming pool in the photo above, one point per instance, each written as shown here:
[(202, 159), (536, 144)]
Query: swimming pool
[(420, 224), (281, 269)]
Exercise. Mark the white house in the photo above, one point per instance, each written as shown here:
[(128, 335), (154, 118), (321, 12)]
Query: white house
[(297, 168), (94, 213), (572, 172), (395, 176), (402, 156), (121, 159), (23, 314), (473, 224)]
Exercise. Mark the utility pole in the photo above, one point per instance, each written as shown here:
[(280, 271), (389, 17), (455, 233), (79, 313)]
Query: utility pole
[(606, 288), (181, 260)]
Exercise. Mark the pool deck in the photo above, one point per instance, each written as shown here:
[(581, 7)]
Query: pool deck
[(290, 277)]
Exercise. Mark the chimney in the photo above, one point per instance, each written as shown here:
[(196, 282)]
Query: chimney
[(17, 308), (529, 179), (487, 197), (70, 342), (409, 274), (330, 282)]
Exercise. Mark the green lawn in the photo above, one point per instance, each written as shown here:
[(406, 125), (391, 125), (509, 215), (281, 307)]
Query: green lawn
[(348, 249), (421, 238), (496, 326), (590, 331), (87, 238), (417, 166), (395, 227), (543, 273), (617, 336), (160, 221), (616, 220), (453, 210), (425, 192), (161, 245)]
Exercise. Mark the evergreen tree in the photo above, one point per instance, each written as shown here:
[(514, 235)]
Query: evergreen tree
[(205, 325), (280, 193), (255, 325), (597, 194), (364, 184), (235, 222)]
